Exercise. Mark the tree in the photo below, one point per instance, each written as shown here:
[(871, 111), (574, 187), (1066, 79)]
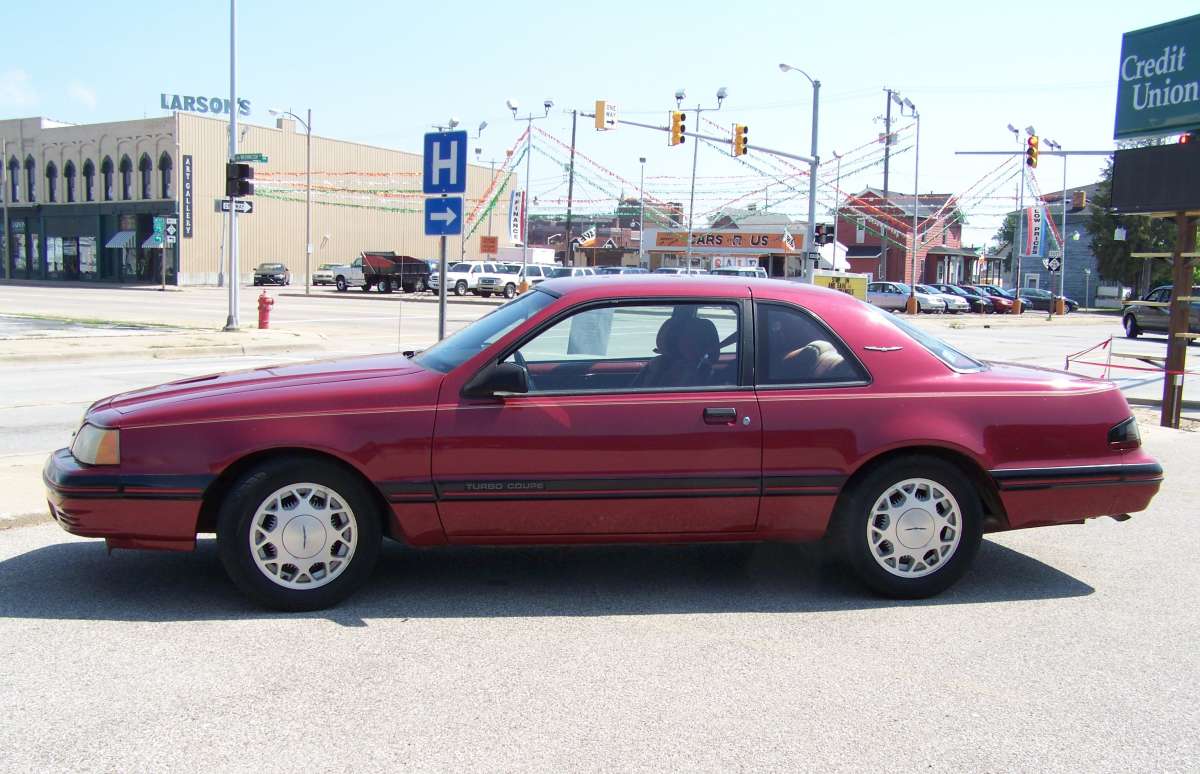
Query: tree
[(1142, 235), (1006, 235)]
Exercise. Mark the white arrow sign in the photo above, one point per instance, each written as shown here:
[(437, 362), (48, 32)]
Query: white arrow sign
[(446, 216)]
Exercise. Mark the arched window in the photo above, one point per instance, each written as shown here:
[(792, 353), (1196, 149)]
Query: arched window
[(165, 166), (106, 172), (30, 179), (89, 181), (126, 170), (69, 180), (146, 168), (14, 172), (51, 182)]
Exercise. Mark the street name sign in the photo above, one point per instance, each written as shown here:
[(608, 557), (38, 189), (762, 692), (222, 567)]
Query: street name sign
[(257, 158), (160, 225), (443, 216), (445, 163), (241, 206), (1158, 82)]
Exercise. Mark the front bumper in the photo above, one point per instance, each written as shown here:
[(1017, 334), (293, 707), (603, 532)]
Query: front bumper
[(127, 510)]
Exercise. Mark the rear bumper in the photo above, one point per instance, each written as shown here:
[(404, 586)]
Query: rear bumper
[(1039, 496), (129, 511)]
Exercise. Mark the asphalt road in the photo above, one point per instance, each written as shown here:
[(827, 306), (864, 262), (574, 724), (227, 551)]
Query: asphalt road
[(1065, 649)]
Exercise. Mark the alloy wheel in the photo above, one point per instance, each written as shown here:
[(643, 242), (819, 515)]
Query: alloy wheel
[(303, 536), (914, 528)]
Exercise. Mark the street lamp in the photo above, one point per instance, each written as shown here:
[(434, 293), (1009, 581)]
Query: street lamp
[(680, 96), (642, 213), (813, 160), (529, 119), (913, 306), (308, 249)]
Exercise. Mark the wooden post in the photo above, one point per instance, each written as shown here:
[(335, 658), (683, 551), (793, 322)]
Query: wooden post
[(1181, 291)]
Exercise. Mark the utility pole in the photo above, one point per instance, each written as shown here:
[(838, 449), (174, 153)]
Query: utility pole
[(231, 323), (570, 254), (887, 154), (642, 213), (4, 182)]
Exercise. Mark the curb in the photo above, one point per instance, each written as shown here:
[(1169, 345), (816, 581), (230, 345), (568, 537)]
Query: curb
[(1187, 405), (14, 520), (163, 353), (420, 299)]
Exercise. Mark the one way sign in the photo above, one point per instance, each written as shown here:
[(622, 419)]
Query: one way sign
[(443, 216)]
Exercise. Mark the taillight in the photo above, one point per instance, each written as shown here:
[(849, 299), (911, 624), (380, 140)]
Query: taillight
[(1125, 436)]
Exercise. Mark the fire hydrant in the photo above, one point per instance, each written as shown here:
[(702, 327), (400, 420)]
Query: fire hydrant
[(264, 310)]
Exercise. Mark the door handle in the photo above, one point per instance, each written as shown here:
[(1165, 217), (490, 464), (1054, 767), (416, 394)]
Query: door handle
[(720, 416)]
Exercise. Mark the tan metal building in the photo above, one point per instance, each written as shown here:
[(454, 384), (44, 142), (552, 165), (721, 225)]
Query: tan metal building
[(81, 200)]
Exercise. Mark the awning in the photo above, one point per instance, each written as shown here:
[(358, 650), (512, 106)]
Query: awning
[(151, 243), (122, 239)]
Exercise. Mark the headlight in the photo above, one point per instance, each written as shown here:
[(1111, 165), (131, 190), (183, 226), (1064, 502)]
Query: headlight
[(97, 445)]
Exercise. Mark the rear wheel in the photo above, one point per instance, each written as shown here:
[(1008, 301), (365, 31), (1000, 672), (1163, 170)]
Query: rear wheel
[(911, 527), (298, 534), (419, 286), (385, 285), (1132, 330)]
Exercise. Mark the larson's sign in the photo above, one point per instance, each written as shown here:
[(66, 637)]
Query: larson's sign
[(190, 104)]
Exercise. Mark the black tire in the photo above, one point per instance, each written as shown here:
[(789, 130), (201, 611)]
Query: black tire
[(856, 511), (420, 286), (366, 286), (341, 284), (510, 290), (385, 285), (235, 521), (460, 288), (1132, 329)]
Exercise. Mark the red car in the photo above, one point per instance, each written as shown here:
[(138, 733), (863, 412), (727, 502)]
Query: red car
[(1001, 304), (622, 409)]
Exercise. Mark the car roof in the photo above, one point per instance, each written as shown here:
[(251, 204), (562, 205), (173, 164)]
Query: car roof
[(649, 285)]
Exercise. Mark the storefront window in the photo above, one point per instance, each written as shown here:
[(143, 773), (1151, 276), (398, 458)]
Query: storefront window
[(18, 246), (54, 257), (87, 257)]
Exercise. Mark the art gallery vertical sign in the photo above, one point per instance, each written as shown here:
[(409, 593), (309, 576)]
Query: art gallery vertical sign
[(186, 201)]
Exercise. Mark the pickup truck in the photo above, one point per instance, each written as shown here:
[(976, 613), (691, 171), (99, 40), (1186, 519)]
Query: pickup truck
[(463, 277), (384, 270)]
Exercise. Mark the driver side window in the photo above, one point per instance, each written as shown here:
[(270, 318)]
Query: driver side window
[(634, 347)]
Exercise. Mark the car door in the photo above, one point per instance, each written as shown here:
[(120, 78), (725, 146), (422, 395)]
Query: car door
[(610, 439)]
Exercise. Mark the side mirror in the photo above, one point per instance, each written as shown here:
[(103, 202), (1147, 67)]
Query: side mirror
[(498, 380)]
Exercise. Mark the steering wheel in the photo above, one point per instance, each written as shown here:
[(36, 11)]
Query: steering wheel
[(519, 359)]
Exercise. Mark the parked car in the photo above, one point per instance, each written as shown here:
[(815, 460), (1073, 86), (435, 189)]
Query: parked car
[(386, 271), (326, 274), (678, 270), (571, 271), (614, 270), (463, 277), (272, 274), (1000, 303), (1036, 298), (741, 271), (601, 412), (893, 296), (975, 301), (1143, 318), (954, 303)]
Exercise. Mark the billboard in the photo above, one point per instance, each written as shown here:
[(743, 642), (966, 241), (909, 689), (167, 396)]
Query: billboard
[(1159, 178), (1158, 82)]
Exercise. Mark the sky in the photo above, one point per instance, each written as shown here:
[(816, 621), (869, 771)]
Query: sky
[(384, 73)]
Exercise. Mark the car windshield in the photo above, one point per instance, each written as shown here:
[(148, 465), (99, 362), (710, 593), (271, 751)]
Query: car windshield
[(454, 350), (905, 289), (271, 267), (938, 348), (463, 267), (327, 266), (561, 271), (927, 289)]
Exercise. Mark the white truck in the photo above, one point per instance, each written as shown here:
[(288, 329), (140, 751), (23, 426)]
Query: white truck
[(463, 277)]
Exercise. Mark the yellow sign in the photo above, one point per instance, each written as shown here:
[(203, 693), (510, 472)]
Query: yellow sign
[(853, 284)]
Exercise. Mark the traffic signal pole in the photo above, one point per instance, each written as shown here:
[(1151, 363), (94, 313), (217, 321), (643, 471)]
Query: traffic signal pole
[(687, 254), (231, 322)]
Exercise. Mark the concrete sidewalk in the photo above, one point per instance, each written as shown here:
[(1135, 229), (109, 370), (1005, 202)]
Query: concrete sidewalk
[(155, 343)]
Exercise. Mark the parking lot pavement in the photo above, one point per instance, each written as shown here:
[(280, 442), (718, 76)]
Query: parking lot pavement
[(1065, 649)]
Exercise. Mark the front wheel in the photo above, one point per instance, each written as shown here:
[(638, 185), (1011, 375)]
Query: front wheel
[(341, 284), (1132, 331), (298, 534), (911, 527), (385, 285), (510, 290), (460, 288)]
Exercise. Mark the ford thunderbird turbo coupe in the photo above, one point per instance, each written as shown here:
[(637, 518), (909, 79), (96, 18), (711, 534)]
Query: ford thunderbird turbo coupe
[(602, 410)]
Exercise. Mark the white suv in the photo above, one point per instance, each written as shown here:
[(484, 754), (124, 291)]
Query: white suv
[(463, 277)]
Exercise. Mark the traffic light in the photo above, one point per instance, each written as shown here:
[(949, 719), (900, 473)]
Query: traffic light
[(740, 141), (823, 234), (1031, 152), (237, 179), (678, 128)]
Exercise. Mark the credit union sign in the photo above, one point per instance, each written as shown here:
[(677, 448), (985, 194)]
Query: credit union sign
[(1158, 84)]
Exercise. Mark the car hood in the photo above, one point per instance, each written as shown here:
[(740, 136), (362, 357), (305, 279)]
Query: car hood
[(258, 379)]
